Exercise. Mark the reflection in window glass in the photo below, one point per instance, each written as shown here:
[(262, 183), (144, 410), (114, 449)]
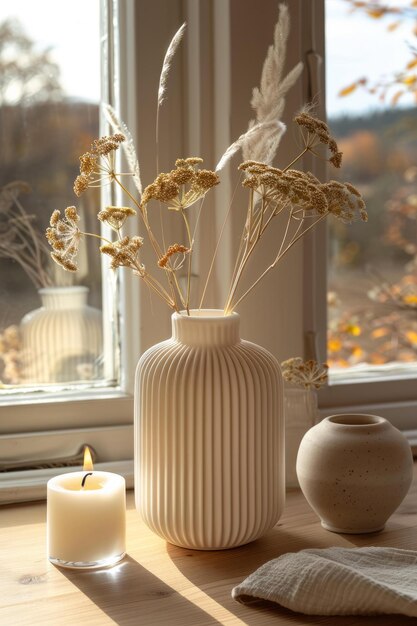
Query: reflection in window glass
[(50, 320), (371, 85)]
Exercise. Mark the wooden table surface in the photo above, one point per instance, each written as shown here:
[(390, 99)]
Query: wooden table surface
[(159, 584)]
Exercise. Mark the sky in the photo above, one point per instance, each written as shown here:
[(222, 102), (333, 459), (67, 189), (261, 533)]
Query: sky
[(358, 46), (72, 30), (355, 46)]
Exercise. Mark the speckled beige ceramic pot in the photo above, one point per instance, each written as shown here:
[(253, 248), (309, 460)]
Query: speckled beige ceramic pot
[(354, 471)]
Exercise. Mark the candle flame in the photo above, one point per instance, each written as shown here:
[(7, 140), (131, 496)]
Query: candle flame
[(88, 461)]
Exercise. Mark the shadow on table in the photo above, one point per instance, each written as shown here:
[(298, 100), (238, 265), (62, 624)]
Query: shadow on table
[(216, 571), (129, 594)]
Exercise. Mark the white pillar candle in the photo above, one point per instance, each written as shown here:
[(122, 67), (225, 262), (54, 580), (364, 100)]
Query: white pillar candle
[(86, 519)]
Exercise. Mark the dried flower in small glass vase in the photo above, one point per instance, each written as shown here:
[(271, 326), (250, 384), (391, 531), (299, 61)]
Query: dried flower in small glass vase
[(302, 379), (305, 374)]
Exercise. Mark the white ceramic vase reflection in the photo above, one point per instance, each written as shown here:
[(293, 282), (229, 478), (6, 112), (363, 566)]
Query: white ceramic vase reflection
[(63, 339), (209, 435), (354, 471)]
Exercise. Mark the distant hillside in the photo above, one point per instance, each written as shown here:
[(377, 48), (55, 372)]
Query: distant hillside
[(400, 121)]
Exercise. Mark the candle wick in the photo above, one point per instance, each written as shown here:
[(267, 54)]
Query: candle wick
[(85, 478)]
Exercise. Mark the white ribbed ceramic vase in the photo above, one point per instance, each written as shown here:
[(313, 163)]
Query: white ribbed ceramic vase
[(63, 339), (209, 435)]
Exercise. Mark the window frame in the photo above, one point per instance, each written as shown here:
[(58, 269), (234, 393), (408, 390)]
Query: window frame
[(29, 427), (210, 115), (395, 396)]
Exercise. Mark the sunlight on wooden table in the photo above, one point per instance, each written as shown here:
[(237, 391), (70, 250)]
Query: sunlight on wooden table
[(158, 584)]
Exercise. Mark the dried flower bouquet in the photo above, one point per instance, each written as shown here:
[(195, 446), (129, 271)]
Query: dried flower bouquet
[(299, 196)]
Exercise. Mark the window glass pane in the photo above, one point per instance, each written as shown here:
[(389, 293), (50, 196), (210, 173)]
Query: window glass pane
[(50, 320), (371, 85)]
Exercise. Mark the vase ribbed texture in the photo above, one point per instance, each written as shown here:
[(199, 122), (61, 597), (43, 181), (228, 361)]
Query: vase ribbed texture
[(209, 435), (62, 338)]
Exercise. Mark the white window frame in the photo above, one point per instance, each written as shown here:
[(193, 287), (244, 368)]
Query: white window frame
[(395, 397), (36, 426), (208, 98)]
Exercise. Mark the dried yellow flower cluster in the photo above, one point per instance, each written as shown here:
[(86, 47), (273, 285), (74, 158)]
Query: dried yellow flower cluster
[(169, 188), (125, 253), (177, 248), (285, 187), (318, 131), (90, 168), (344, 201), (304, 192), (64, 236), (115, 216), (307, 374)]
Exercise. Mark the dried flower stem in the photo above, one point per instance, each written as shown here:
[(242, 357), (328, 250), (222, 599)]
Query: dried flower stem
[(166, 66), (160, 291), (256, 226), (243, 253), (302, 194), (268, 100), (120, 127), (190, 243), (297, 158), (170, 272), (95, 235), (34, 251), (21, 241), (176, 289), (217, 244), (274, 263), (173, 283), (254, 229)]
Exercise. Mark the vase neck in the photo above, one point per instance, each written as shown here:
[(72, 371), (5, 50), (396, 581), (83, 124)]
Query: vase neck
[(64, 297), (206, 327), (357, 423)]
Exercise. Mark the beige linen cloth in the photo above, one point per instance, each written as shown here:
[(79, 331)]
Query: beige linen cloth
[(337, 581)]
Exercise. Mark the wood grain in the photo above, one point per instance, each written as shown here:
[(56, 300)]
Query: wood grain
[(158, 584)]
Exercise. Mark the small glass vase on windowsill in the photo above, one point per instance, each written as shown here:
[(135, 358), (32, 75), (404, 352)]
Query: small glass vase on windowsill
[(302, 379), (300, 410)]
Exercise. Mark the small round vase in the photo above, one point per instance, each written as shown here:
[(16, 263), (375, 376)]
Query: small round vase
[(63, 339), (354, 471), (209, 435)]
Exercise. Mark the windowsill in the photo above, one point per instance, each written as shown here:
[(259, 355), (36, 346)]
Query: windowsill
[(75, 410), (161, 583), (30, 485), (366, 373)]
